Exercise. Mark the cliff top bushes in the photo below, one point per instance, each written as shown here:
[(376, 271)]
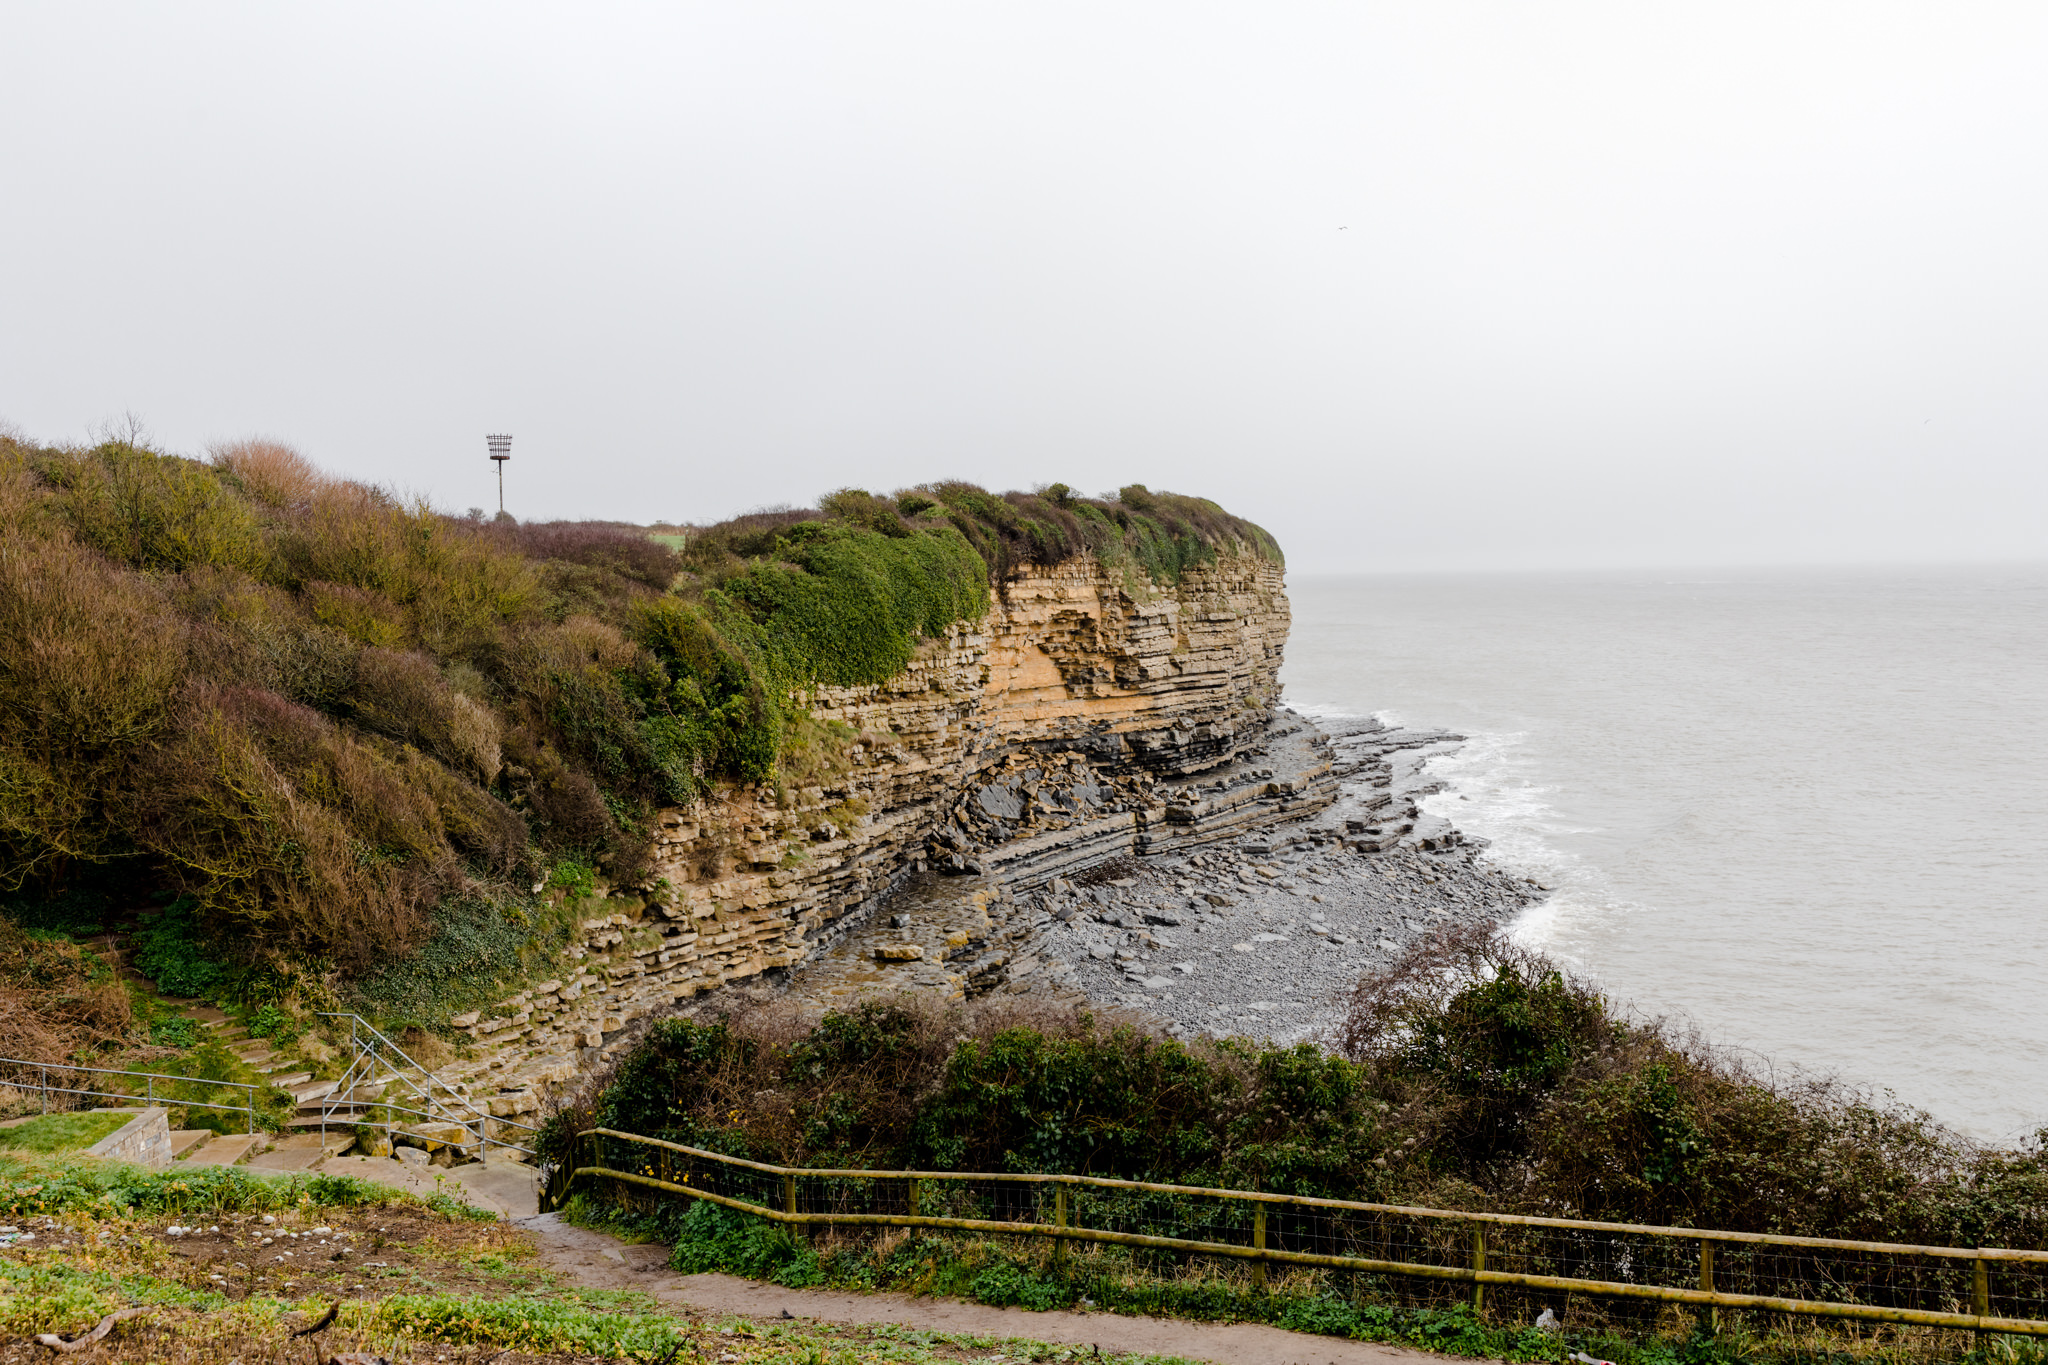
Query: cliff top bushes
[(1470, 1075), (315, 712), (1159, 534)]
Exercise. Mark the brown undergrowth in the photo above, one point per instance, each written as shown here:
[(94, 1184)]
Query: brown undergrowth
[(56, 997)]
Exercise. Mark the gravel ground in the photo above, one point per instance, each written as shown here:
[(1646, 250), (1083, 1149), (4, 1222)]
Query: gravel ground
[(1266, 937)]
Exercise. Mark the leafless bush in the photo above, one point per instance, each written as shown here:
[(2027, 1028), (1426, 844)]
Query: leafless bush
[(624, 550), (87, 660), (272, 471), (404, 695), (53, 1000), (289, 831)]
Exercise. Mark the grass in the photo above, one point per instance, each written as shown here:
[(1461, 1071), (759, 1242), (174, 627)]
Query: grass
[(55, 1134), (43, 1185), (104, 1244)]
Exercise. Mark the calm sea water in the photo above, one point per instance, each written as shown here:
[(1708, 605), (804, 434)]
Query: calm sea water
[(1806, 810)]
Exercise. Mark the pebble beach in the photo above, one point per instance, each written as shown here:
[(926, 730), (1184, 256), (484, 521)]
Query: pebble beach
[(1267, 936)]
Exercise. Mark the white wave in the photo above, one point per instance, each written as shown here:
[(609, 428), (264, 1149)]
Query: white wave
[(1492, 790)]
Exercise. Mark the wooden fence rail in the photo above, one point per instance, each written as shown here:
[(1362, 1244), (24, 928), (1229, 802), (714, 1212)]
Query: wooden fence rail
[(1977, 1289)]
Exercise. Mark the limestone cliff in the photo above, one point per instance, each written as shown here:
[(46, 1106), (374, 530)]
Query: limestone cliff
[(1085, 716)]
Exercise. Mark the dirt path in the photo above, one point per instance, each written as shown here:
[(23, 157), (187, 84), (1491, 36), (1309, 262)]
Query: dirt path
[(603, 1262)]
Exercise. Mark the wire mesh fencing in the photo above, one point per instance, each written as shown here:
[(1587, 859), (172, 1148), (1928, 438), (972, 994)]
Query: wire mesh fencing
[(1431, 1256)]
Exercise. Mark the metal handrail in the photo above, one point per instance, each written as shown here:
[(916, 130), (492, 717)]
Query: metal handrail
[(367, 1055), (149, 1079), (1065, 1229)]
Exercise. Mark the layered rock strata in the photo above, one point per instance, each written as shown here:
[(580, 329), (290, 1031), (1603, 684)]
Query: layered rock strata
[(1088, 715)]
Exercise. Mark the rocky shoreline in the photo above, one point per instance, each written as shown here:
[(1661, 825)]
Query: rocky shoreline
[(1266, 936), (1260, 933)]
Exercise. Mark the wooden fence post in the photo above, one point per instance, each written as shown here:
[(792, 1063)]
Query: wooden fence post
[(1059, 1219), (1259, 1241), (1478, 1264), (1980, 1299), (1707, 1283)]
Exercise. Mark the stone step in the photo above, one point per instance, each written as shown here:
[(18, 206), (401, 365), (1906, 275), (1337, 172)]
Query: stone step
[(302, 1151), (185, 1141), (311, 1090), (229, 1150), (343, 1117), (288, 1081)]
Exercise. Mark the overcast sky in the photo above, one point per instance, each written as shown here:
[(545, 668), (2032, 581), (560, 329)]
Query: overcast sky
[(1430, 285)]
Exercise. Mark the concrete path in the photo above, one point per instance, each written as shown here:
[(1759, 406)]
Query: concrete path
[(503, 1187)]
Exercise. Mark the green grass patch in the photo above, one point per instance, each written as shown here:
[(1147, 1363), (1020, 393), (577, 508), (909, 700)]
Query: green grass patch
[(34, 1185), (53, 1134), (610, 1326)]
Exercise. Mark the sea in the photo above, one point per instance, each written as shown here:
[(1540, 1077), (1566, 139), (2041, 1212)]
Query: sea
[(1804, 811)]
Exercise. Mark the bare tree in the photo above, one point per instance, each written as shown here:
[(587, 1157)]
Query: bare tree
[(126, 430)]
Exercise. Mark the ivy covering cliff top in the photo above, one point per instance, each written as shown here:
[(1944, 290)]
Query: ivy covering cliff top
[(338, 726), (1160, 534)]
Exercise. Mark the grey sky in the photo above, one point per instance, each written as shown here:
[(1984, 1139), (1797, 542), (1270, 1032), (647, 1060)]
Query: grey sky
[(1419, 286)]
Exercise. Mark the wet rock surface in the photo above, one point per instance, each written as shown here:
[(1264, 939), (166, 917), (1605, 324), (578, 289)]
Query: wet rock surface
[(1256, 922), (1265, 936)]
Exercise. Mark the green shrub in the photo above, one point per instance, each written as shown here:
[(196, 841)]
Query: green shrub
[(174, 1031), (156, 512), (170, 951), (484, 941), (1005, 1285), (77, 914), (709, 1237), (272, 1022)]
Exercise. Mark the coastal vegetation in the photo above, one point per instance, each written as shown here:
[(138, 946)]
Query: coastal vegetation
[(1470, 1075), (337, 744)]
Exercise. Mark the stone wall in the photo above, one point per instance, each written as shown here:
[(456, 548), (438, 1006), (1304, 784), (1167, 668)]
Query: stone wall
[(144, 1140), (1088, 715)]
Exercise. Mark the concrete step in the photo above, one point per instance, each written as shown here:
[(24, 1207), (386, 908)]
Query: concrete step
[(311, 1090), (229, 1150), (302, 1151), (352, 1100), (288, 1081), (188, 1140)]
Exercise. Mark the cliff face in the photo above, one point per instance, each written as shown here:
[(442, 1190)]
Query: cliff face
[(1084, 717)]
